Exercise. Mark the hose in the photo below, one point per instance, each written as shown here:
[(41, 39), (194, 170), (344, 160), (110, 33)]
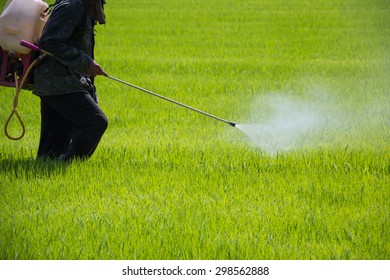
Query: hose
[(15, 105)]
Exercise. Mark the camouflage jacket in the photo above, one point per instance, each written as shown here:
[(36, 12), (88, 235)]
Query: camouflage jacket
[(69, 36)]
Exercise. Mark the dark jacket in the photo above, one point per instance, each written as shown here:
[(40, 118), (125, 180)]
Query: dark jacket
[(69, 36)]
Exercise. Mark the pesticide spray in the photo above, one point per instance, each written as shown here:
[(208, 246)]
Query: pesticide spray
[(279, 123), (320, 117), (283, 123)]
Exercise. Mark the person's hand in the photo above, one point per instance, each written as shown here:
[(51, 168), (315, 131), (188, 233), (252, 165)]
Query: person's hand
[(95, 69)]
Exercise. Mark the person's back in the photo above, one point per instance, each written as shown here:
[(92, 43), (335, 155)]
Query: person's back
[(68, 35)]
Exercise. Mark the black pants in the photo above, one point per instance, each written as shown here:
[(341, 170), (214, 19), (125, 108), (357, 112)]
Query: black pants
[(71, 126)]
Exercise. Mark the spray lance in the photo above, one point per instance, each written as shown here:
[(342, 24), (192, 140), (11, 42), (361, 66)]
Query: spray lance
[(233, 124)]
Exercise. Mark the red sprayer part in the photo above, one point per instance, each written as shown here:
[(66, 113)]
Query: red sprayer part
[(29, 45)]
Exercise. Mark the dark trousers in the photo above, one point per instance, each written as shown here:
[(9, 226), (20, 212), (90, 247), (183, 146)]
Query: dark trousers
[(71, 126)]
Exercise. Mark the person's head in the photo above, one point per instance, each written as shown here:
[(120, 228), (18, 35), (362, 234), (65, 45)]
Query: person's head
[(96, 10)]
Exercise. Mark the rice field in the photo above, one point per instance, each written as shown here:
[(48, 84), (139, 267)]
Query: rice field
[(304, 175)]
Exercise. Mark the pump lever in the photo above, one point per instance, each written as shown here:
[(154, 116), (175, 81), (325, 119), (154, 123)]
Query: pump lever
[(32, 47), (29, 45)]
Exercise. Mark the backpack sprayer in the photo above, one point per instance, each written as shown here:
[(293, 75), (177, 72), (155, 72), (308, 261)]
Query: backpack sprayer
[(25, 60), (19, 19)]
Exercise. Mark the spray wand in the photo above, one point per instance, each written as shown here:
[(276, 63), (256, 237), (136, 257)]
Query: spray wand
[(233, 124)]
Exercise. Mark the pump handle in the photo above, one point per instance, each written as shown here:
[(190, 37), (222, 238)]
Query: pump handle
[(29, 45)]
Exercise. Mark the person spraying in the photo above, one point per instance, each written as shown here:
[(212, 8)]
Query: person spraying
[(72, 123)]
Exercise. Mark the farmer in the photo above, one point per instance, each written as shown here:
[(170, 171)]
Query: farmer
[(72, 122)]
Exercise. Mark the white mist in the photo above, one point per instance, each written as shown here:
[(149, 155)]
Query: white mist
[(287, 124)]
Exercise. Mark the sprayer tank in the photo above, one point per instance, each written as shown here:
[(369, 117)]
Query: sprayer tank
[(21, 20)]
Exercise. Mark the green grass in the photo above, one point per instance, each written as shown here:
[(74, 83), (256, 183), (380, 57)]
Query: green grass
[(167, 183)]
